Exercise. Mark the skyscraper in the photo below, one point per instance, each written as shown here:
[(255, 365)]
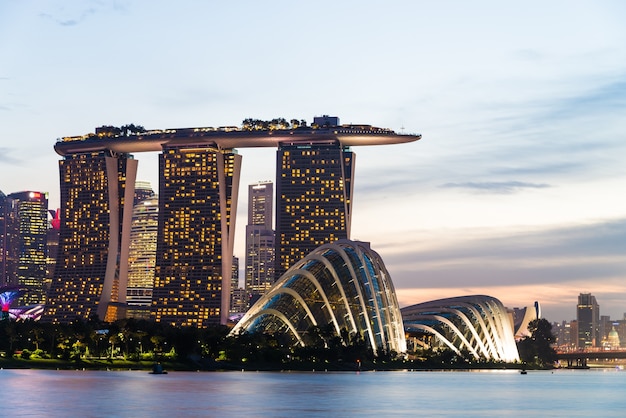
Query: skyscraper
[(260, 249), (588, 318), (197, 206), (94, 236), (313, 198), (142, 257), (25, 226), (143, 191), (3, 233), (198, 185)]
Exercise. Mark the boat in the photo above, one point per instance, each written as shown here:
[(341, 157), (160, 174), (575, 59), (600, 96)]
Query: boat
[(157, 368)]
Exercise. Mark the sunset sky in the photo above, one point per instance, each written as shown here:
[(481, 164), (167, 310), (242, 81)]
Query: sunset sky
[(516, 189)]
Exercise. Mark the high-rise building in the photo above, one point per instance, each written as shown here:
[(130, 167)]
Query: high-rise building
[(94, 236), (260, 244), (588, 319), (313, 198), (198, 185), (142, 257), (52, 245), (197, 207), (143, 191), (3, 233), (25, 228)]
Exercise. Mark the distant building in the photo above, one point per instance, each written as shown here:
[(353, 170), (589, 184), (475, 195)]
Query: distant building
[(260, 251), (52, 245), (3, 233), (143, 191), (142, 257), (25, 233), (588, 318)]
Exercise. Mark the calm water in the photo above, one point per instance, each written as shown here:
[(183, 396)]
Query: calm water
[(40, 393)]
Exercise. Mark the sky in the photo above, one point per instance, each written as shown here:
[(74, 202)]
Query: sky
[(516, 189)]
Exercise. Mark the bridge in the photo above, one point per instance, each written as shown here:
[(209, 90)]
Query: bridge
[(579, 359)]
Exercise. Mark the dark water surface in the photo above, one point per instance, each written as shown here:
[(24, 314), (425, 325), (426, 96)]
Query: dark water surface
[(570, 393)]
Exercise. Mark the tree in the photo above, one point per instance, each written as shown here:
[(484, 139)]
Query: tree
[(537, 348)]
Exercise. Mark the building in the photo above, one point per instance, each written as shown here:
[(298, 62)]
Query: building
[(588, 318), (94, 236), (142, 257), (260, 251), (478, 326), (25, 227), (3, 233), (343, 287), (143, 191), (198, 189), (313, 198)]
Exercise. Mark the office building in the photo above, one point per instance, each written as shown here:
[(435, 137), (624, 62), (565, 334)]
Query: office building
[(142, 257), (90, 272), (313, 198), (588, 319), (259, 273), (25, 226), (197, 205)]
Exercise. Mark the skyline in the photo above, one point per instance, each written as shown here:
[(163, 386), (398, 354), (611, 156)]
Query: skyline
[(513, 191)]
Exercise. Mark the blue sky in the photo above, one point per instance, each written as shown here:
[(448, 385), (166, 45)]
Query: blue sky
[(514, 191)]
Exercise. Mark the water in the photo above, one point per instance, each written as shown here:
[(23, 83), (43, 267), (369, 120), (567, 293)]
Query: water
[(52, 393)]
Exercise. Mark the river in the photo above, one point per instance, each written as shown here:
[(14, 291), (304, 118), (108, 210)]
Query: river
[(57, 393)]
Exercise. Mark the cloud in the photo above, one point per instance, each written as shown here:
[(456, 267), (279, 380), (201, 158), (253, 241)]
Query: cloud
[(501, 187), (587, 253), (67, 18), (5, 157), (552, 265)]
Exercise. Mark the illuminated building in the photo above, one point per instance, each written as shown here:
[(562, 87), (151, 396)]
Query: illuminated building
[(478, 326), (197, 206), (142, 257), (588, 318), (90, 277), (3, 233), (313, 198), (198, 185), (343, 286), (26, 225), (259, 239), (143, 191)]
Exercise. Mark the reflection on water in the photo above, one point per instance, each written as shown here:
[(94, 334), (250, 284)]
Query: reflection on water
[(312, 394)]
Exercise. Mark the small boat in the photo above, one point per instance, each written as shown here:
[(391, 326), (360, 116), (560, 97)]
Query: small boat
[(523, 372), (157, 368)]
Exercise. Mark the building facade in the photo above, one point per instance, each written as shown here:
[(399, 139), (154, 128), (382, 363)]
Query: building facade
[(343, 287), (94, 237), (478, 326), (142, 257), (24, 235), (198, 186), (588, 319), (314, 185), (260, 251), (198, 189)]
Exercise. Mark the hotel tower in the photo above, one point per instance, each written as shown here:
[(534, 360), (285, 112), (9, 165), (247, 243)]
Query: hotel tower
[(199, 171)]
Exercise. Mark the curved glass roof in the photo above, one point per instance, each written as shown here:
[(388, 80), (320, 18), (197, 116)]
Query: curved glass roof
[(344, 285), (479, 324)]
